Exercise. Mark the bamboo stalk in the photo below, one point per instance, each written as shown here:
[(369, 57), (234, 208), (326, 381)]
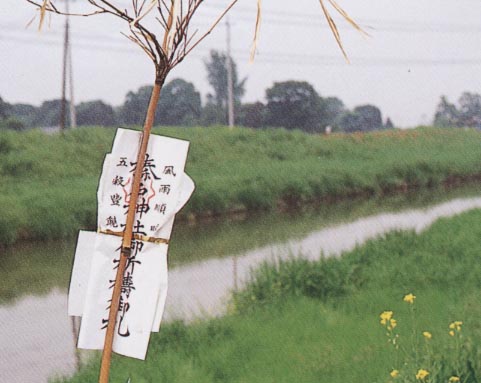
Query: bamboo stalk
[(125, 251)]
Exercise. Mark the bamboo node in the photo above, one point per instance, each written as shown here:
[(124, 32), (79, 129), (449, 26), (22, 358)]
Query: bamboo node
[(126, 251)]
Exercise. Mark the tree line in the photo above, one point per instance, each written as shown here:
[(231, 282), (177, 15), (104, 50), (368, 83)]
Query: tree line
[(288, 104), (466, 114)]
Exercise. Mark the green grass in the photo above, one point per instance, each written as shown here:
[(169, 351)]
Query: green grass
[(49, 181), (318, 321)]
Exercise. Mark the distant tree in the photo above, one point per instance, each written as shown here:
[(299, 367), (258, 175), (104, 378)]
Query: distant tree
[(180, 104), (12, 123), (333, 110), (216, 67), (253, 115), (388, 124), (350, 122), (95, 113), (25, 113), (362, 119), (211, 114), (48, 114), (370, 117), (7, 120), (446, 114), (4, 109), (294, 105), (470, 110), (135, 105)]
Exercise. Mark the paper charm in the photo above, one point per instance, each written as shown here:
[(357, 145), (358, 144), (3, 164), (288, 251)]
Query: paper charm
[(165, 189)]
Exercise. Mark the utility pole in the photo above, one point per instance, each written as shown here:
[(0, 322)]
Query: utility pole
[(73, 112), (63, 108), (67, 67), (230, 79)]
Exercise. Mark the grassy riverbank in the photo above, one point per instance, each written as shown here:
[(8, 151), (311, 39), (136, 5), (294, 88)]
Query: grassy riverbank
[(49, 181), (318, 321), (222, 237)]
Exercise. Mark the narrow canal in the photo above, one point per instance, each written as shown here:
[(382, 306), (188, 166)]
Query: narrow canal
[(206, 261)]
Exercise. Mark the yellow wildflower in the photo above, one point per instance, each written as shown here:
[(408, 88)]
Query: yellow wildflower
[(409, 298), (427, 335), (394, 373), (392, 324), (456, 325), (422, 374), (385, 317), (454, 379)]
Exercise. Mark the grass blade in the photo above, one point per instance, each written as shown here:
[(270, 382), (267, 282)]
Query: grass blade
[(43, 10), (348, 18)]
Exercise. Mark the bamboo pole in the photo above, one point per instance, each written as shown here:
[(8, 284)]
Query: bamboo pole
[(125, 250)]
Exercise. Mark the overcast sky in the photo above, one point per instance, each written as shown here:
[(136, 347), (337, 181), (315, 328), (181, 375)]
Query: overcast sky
[(418, 51)]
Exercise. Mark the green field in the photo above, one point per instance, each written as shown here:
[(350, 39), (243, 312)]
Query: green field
[(319, 321), (49, 181)]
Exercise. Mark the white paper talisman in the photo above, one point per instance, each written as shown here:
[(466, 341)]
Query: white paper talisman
[(165, 188)]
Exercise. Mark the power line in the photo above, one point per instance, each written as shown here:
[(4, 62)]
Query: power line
[(280, 17), (279, 58), (369, 24), (286, 18)]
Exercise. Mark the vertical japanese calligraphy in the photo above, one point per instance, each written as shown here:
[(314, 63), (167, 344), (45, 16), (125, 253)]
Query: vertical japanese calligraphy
[(164, 189)]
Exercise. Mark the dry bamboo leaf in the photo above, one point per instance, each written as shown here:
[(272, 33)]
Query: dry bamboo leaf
[(256, 33), (334, 29), (330, 20), (43, 10), (348, 18), (31, 21)]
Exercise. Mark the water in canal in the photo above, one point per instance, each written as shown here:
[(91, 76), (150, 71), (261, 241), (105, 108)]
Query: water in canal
[(206, 262)]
